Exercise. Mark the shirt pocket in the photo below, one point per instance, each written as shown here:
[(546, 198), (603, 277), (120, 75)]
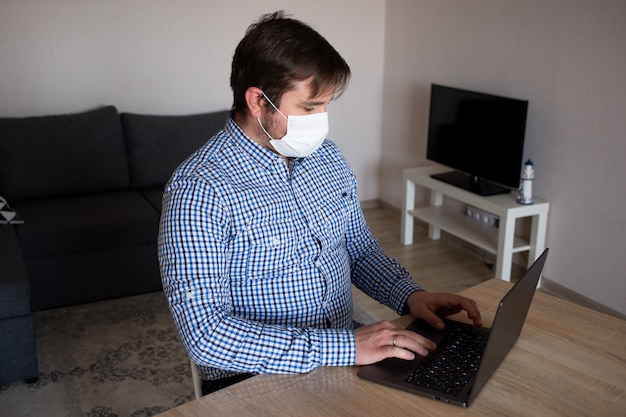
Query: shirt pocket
[(335, 214), (270, 249)]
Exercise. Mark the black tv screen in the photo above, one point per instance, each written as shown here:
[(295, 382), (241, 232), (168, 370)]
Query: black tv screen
[(480, 136)]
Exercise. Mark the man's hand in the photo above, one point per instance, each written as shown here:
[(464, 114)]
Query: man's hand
[(378, 341), (375, 342), (432, 306)]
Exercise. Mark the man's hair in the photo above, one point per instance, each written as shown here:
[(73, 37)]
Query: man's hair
[(277, 52)]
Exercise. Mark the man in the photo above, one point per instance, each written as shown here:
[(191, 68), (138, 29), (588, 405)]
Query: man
[(262, 232)]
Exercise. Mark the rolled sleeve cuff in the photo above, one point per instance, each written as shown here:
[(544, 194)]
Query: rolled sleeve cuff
[(401, 293), (337, 347)]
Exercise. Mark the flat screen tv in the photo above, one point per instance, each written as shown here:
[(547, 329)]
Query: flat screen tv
[(480, 136)]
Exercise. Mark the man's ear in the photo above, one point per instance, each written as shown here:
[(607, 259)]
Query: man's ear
[(255, 101)]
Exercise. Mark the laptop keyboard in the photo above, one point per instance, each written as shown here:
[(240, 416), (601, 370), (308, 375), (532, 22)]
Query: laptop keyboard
[(450, 369)]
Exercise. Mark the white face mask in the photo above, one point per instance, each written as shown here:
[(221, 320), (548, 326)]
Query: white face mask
[(304, 133)]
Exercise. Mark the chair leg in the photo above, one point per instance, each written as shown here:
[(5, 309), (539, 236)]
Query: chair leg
[(197, 381)]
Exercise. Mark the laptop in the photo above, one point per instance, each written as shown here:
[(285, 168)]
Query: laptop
[(473, 353)]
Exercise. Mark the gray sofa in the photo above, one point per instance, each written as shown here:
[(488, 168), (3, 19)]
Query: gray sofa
[(88, 187)]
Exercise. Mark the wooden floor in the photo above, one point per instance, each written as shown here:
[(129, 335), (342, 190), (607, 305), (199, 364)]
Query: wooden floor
[(448, 264), (439, 265)]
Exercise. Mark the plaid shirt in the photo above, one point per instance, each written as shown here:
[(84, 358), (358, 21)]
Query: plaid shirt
[(257, 258)]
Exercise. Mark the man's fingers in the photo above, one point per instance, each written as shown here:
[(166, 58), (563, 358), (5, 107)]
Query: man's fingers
[(413, 342), (385, 340), (433, 319), (472, 310)]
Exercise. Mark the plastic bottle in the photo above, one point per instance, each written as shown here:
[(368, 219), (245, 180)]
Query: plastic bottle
[(526, 184)]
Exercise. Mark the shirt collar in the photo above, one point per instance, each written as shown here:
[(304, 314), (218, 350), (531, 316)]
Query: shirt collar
[(261, 155)]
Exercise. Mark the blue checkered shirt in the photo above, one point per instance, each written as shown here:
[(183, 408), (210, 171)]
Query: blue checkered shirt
[(257, 258)]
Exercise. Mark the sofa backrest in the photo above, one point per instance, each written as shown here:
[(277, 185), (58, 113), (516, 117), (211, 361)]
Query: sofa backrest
[(62, 155), (156, 145)]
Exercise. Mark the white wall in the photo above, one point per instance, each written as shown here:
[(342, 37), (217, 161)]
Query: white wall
[(568, 58), (565, 56), (173, 57)]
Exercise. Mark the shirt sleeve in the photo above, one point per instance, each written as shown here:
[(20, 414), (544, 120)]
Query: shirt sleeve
[(374, 272), (193, 255)]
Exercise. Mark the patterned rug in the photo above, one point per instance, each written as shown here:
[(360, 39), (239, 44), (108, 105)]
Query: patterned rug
[(113, 358)]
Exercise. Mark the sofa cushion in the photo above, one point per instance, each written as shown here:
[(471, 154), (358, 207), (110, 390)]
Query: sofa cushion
[(62, 155), (58, 226), (158, 144)]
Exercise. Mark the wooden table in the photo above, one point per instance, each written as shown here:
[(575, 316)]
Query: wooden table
[(569, 361)]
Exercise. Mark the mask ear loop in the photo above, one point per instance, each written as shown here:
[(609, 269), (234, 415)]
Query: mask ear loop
[(272, 104)]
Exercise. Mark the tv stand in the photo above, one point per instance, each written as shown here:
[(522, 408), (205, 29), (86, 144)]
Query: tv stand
[(471, 183), (500, 241)]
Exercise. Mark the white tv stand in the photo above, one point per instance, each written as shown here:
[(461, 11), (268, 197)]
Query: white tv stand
[(500, 241)]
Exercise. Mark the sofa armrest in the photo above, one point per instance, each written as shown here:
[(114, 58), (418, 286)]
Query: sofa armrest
[(18, 348), (14, 285)]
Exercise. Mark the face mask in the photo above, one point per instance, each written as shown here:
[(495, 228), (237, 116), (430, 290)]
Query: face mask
[(304, 133)]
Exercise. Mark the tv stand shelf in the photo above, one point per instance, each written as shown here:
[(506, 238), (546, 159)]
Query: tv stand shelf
[(500, 241)]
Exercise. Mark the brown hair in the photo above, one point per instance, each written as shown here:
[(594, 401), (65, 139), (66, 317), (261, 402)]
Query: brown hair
[(277, 52)]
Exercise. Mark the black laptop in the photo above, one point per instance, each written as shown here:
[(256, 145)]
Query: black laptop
[(466, 356)]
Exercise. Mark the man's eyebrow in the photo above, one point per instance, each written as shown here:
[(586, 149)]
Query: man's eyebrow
[(314, 103)]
